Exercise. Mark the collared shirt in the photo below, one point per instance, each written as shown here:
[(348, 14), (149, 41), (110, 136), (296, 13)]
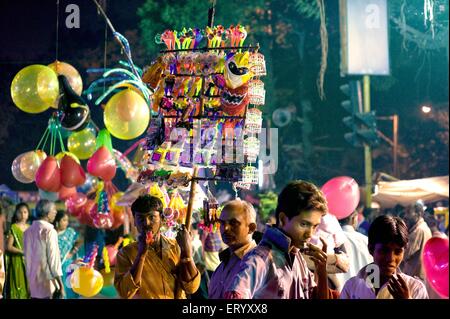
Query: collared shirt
[(273, 270), (42, 258), (159, 276), (362, 287), (227, 270), (356, 247), (412, 260)]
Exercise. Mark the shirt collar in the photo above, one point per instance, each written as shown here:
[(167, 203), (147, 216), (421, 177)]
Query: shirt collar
[(275, 236), (348, 228), (44, 223), (240, 253)]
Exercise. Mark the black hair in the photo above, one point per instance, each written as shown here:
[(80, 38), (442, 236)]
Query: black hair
[(431, 220), (147, 203), (59, 215), (15, 217), (300, 196), (347, 220), (387, 229)]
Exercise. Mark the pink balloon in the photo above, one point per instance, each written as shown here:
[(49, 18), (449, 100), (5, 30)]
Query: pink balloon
[(342, 194), (66, 192), (102, 164), (112, 253), (75, 202), (435, 262)]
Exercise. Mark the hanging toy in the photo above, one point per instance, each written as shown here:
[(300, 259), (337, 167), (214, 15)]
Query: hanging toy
[(100, 212), (74, 112)]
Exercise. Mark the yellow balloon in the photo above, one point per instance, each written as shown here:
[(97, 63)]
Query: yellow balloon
[(29, 164), (86, 281), (126, 115), (35, 88), (72, 75), (60, 155), (114, 199), (82, 143)]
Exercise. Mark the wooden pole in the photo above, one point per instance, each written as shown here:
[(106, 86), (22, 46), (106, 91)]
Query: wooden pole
[(190, 207)]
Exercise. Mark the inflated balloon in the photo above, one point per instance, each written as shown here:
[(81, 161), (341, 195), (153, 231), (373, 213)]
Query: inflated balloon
[(74, 112), (109, 291), (114, 199), (435, 262), (72, 75), (82, 143), (35, 88), (126, 115), (118, 218), (102, 164), (72, 174), (17, 172), (60, 156), (48, 175), (86, 281), (84, 216), (75, 202), (90, 184), (66, 192), (51, 196), (342, 194), (29, 164), (112, 253)]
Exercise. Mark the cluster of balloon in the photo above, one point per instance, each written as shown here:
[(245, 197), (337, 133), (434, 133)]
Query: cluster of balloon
[(435, 261), (72, 75), (35, 88), (25, 166), (85, 280), (342, 194), (126, 115), (73, 110)]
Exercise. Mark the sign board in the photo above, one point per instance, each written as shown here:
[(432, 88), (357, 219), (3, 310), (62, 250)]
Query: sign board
[(364, 37)]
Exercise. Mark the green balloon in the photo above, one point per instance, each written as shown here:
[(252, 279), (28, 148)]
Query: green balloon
[(109, 291)]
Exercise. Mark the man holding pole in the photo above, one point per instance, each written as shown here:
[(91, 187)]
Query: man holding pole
[(155, 267)]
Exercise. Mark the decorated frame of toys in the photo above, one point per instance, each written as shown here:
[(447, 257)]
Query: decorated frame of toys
[(206, 99)]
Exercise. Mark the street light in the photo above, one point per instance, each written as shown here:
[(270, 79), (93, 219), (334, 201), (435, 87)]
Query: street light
[(426, 109)]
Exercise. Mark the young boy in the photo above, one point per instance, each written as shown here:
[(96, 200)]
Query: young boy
[(388, 238), (275, 269)]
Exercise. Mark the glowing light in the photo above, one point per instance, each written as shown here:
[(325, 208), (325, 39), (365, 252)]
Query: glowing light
[(426, 109)]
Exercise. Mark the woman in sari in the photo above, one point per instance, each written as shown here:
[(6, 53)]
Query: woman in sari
[(68, 247), (16, 284)]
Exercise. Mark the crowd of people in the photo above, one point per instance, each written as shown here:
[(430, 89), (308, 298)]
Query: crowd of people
[(303, 253)]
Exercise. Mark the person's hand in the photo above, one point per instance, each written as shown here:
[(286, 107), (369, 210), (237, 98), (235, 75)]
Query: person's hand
[(318, 256), (143, 243), (184, 241), (398, 288)]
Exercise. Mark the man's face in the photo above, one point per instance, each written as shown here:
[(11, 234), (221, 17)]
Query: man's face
[(301, 227), (148, 221), (410, 217), (387, 257), (235, 227), (52, 213)]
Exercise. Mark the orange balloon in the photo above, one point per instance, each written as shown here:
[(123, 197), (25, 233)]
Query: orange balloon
[(72, 75)]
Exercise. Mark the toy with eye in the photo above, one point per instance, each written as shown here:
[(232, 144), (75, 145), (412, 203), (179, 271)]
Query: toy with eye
[(253, 121), (256, 92)]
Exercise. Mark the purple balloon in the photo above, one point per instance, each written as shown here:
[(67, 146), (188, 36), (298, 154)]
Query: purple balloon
[(342, 194), (435, 262)]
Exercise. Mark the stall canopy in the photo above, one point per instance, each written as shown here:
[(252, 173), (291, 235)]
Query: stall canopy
[(407, 192)]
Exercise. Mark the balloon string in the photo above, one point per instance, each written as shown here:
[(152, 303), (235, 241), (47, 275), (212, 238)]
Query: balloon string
[(61, 141), (57, 32), (43, 138), (128, 151), (105, 49)]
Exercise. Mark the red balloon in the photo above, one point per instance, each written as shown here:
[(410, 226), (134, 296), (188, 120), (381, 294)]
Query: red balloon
[(75, 202), (112, 253), (84, 216), (342, 194), (66, 192), (72, 174), (119, 218), (102, 164), (435, 262), (48, 175)]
